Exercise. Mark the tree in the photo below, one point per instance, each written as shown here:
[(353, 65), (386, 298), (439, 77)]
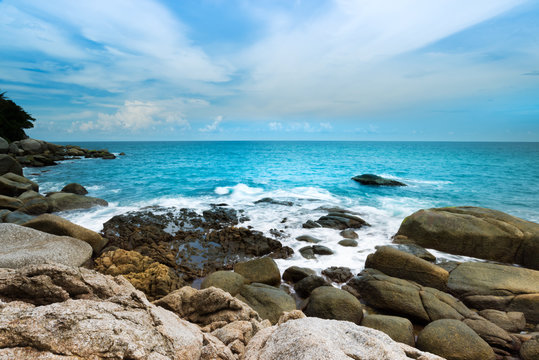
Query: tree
[(13, 120)]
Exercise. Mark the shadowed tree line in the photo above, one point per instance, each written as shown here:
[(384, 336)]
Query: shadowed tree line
[(13, 120)]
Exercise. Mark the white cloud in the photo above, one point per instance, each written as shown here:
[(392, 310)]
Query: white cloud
[(275, 125), (326, 125), (213, 126)]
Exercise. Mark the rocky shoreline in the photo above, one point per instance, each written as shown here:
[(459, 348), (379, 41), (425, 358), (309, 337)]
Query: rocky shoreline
[(162, 284)]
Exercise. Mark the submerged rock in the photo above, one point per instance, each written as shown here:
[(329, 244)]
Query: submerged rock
[(474, 231), (339, 274), (75, 188), (370, 179)]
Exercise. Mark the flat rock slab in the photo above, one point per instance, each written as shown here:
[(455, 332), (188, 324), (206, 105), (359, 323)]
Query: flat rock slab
[(21, 246)]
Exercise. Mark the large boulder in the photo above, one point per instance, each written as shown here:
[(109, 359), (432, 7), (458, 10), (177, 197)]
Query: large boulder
[(17, 217), (474, 231), (398, 328), (400, 264), (453, 340), (10, 203), (500, 287), (31, 146), (269, 302), (152, 278), (61, 201), (312, 338), (56, 225), (21, 246), (13, 188), (35, 206), (9, 165), (370, 179), (21, 179), (530, 349), (296, 273), (327, 302), (75, 188), (4, 145), (229, 281), (305, 286), (263, 270), (512, 321)]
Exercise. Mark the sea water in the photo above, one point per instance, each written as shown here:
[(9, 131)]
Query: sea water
[(310, 175)]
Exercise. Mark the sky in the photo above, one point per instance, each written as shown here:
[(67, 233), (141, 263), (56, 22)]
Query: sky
[(383, 70)]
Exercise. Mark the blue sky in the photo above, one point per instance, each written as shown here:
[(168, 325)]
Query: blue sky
[(452, 70)]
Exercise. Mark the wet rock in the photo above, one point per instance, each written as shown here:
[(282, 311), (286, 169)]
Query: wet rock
[(219, 218), (61, 201), (9, 165), (17, 217), (311, 225), (327, 302), (341, 221), (269, 302), (398, 328), (309, 252), (21, 246), (500, 287), (400, 264), (348, 243), (309, 239), (305, 286), (453, 340), (152, 278), (370, 179), (56, 225), (274, 202), (530, 349), (509, 321), (413, 249), (338, 274), (10, 203), (474, 231), (312, 338), (295, 273), (75, 188), (348, 234), (263, 270), (229, 281)]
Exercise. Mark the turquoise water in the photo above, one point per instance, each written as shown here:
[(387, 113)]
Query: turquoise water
[(501, 176)]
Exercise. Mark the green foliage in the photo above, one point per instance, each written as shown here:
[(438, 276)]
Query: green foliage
[(13, 120)]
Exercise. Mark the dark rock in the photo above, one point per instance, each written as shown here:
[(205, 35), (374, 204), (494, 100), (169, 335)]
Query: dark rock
[(269, 302), (513, 321), (17, 217), (21, 179), (263, 270), (473, 231), (453, 340), (219, 218), (35, 206), (398, 328), (311, 225), (4, 145), (327, 302), (305, 286), (348, 243), (309, 252), (3, 214), (413, 249), (296, 273), (10, 203), (309, 239), (75, 188), (274, 202), (13, 188), (370, 179), (341, 221), (122, 154), (348, 234), (339, 274), (229, 281)]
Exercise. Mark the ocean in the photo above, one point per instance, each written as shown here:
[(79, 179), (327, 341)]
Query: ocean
[(311, 175)]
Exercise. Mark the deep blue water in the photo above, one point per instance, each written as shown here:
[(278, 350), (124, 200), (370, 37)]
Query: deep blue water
[(502, 176)]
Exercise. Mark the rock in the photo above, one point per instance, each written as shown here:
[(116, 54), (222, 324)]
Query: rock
[(370, 179), (413, 249), (122, 154), (295, 273), (263, 270), (125, 327), (9, 165), (274, 202), (500, 287), (56, 225), (348, 234), (21, 246), (305, 286), (30, 194), (12, 188), (341, 221), (473, 231), (398, 328), (22, 180), (75, 188), (4, 145), (14, 149), (17, 217), (229, 281), (10, 203), (31, 146), (530, 349), (339, 274), (327, 302), (309, 252), (220, 218), (61, 201), (311, 225), (152, 278), (495, 336), (312, 338), (509, 321), (309, 239), (269, 302), (400, 264), (348, 243), (453, 340), (35, 206), (210, 308), (3, 214)]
